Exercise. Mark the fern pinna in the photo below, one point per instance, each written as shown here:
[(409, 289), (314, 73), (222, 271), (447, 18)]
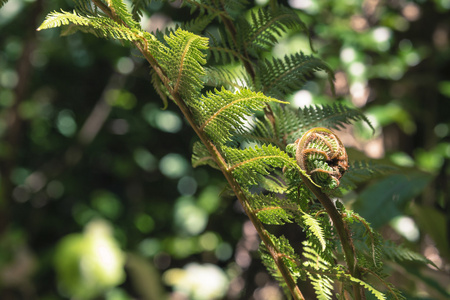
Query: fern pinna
[(281, 163)]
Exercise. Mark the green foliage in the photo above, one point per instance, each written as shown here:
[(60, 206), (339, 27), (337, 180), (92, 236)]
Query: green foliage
[(3, 2), (284, 76), (251, 165), (219, 112), (293, 123), (265, 27), (99, 26), (183, 62), (245, 131)]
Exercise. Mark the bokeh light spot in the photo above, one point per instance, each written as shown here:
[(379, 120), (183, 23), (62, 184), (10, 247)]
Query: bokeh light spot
[(406, 227), (187, 186), (168, 121), (65, 123), (173, 165), (125, 65), (144, 159)]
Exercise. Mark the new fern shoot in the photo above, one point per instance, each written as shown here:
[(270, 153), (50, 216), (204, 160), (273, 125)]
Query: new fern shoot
[(295, 160)]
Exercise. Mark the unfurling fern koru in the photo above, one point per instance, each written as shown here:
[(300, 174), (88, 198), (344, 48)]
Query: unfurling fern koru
[(321, 154), (295, 162)]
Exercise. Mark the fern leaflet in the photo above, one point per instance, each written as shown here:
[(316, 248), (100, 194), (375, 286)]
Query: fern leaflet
[(273, 210), (183, 62), (99, 26), (315, 228), (267, 25), (281, 77), (221, 112), (250, 165), (201, 156)]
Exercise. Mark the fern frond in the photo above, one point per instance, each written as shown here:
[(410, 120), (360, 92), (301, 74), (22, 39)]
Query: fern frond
[(273, 210), (220, 112), (121, 13), (361, 171), (206, 7), (223, 49), (99, 26), (322, 285), (334, 116), (366, 240), (216, 7), (314, 259), (137, 6), (160, 89), (266, 26), (249, 166), (198, 24), (183, 62), (289, 257), (403, 254), (201, 156), (379, 295), (315, 229), (291, 124), (280, 77), (235, 79)]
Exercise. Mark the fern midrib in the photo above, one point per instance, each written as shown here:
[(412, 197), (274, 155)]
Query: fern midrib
[(182, 59)]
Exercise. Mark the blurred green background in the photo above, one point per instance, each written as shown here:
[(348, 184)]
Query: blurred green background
[(98, 199)]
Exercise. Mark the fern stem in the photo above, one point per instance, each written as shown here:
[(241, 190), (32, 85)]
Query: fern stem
[(274, 252), (343, 232)]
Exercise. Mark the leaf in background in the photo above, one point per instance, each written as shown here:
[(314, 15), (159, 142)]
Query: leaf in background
[(434, 223), (386, 199)]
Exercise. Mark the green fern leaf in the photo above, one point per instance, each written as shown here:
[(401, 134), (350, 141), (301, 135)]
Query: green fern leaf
[(183, 62), (334, 116), (281, 77), (289, 257), (361, 171), (322, 285), (251, 165), (266, 26), (403, 254), (198, 24), (201, 156), (272, 209), (221, 112), (223, 49), (137, 7), (121, 13), (314, 259), (291, 124), (216, 7), (99, 26), (205, 7), (379, 295), (315, 228), (234, 79)]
